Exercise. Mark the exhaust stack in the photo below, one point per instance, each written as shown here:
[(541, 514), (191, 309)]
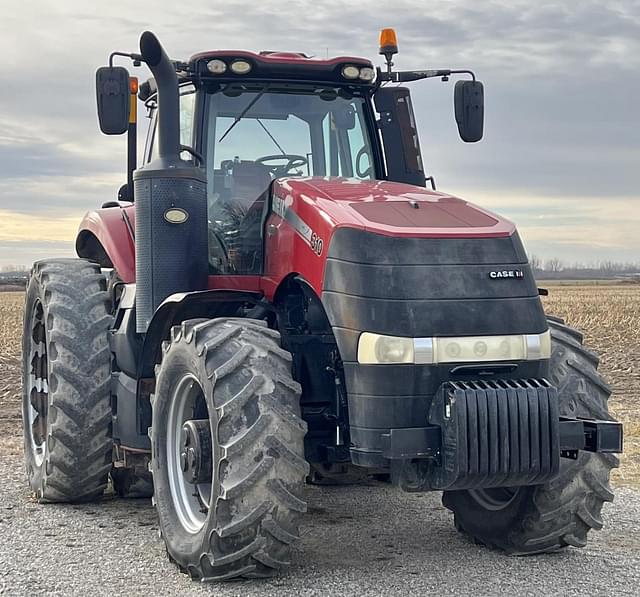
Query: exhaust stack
[(158, 62), (170, 202)]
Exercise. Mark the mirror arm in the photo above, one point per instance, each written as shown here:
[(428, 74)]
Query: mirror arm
[(137, 58), (415, 75), (464, 72)]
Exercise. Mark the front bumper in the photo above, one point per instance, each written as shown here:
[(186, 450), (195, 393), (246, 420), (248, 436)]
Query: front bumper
[(493, 433)]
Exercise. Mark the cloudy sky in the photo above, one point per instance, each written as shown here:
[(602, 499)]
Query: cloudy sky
[(561, 152)]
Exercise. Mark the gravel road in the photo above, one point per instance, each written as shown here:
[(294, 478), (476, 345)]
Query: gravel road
[(358, 540)]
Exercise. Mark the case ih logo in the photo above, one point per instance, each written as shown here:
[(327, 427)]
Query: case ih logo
[(507, 273)]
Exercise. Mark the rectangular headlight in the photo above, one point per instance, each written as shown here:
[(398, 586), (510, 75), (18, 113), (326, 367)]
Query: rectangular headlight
[(379, 349), (374, 348)]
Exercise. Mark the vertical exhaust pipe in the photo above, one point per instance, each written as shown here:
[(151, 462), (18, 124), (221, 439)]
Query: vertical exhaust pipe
[(170, 203), (162, 69)]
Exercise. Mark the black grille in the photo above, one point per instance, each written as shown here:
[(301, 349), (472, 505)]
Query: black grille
[(170, 258), (496, 433)]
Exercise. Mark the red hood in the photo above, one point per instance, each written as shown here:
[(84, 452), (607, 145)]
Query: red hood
[(392, 208)]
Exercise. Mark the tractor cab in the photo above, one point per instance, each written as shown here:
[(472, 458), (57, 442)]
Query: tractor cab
[(248, 124), (248, 135)]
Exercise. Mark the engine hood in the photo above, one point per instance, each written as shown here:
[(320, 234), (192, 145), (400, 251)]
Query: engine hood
[(391, 208)]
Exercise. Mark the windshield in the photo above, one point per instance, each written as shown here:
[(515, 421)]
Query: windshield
[(259, 134)]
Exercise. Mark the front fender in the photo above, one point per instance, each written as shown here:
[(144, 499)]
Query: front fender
[(107, 237), (182, 306)]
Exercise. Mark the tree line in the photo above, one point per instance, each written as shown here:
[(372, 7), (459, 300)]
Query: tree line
[(599, 269), (554, 266)]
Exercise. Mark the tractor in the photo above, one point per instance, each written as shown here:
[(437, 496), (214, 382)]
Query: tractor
[(279, 296)]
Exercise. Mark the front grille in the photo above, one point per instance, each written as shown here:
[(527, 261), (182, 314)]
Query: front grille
[(496, 433)]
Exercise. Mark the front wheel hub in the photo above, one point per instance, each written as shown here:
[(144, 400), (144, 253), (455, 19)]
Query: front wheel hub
[(196, 454)]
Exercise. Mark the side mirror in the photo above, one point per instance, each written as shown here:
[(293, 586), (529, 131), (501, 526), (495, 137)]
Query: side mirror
[(114, 99), (468, 99)]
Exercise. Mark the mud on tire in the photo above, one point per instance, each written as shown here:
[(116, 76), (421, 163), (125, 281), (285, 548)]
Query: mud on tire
[(256, 491), (66, 376), (560, 513)]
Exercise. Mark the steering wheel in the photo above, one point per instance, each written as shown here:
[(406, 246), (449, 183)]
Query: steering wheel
[(293, 161), (362, 153)]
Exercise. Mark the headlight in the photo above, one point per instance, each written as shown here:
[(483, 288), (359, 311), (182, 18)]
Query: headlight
[(376, 348), (480, 348)]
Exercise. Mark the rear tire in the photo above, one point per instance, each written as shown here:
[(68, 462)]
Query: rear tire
[(242, 522), (545, 518), (66, 376)]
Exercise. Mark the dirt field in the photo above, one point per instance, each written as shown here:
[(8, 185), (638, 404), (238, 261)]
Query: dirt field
[(609, 316), (11, 304)]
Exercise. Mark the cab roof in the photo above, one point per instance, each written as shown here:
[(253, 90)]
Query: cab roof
[(291, 67), (271, 57), (278, 65)]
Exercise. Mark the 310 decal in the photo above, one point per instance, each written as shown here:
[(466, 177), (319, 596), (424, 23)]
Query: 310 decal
[(317, 244)]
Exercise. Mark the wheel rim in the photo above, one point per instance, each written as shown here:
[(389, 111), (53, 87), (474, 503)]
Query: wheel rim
[(191, 500), (495, 499), (38, 385)]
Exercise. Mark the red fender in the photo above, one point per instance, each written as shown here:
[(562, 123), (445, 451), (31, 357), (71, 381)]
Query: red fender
[(107, 237)]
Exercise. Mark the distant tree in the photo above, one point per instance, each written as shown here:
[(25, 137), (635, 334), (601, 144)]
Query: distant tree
[(553, 265), (579, 270), (611, 267), (535, 262)]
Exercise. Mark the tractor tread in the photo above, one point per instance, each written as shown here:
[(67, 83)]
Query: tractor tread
[(234, 489), (238, 525), (77, 305), (262, 467), (279, 532), (561, 512)]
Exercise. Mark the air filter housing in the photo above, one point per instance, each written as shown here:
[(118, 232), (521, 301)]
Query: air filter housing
[(171, 234)]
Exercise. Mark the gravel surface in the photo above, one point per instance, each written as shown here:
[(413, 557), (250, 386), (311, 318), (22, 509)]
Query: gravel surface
[(358, 540)]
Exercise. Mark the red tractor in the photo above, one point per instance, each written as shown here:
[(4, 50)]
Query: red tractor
[(277, 298)]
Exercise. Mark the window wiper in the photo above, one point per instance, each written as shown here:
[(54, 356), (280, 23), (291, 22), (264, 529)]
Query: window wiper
[(266, 130), (242, 114)]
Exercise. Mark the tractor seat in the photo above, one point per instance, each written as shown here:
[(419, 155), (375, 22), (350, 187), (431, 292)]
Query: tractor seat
[(249, 183)]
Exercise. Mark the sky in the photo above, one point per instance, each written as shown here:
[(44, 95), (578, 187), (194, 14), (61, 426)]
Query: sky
[(561, 150)]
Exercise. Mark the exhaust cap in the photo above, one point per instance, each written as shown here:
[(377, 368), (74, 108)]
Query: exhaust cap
[(150, 49)]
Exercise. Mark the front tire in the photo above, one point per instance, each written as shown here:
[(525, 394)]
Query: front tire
[(545, 518), (66, 376), (231, 380)]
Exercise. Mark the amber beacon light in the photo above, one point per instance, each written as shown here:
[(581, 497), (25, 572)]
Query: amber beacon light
[(388, 43)]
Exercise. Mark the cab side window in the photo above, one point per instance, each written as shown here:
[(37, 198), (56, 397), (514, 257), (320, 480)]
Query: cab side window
[(347, 151), (187, 105)]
